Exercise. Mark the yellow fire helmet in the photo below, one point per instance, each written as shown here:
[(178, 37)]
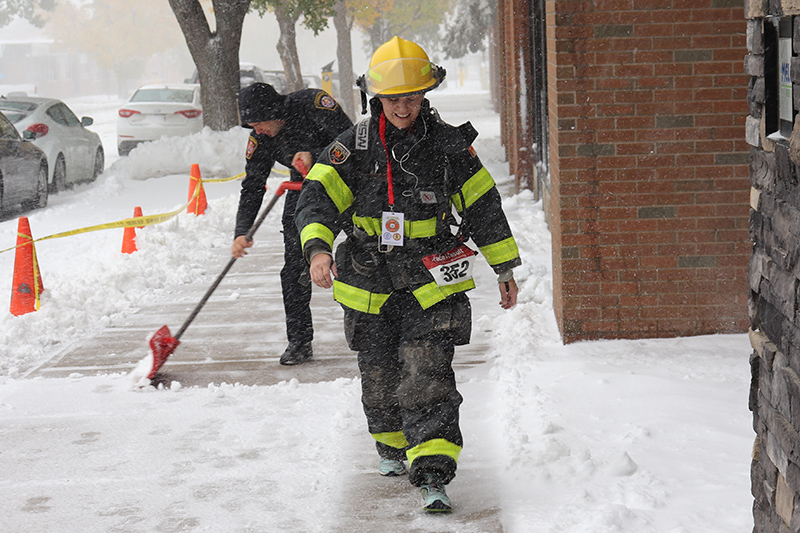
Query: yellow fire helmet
[(400, 68)]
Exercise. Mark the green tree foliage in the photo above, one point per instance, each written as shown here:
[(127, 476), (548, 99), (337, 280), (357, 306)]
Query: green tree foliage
[(32, 10), (416, 20)]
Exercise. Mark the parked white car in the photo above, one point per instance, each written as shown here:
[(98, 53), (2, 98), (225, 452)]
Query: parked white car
[(74, 154), (155, 111)]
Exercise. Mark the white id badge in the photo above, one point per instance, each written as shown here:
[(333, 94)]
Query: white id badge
[(392, 229), (451, 267)]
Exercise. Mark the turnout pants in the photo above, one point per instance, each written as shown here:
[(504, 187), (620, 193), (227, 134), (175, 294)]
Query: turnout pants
[(409, 393), (295, 283)]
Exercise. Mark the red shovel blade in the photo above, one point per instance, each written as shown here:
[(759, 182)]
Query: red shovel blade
[(162, 344)]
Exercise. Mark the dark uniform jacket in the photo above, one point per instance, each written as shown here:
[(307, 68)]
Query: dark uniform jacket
[(313, 119), (434, 168)]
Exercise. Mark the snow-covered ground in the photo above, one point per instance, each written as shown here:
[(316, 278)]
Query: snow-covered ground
[(594, 437)]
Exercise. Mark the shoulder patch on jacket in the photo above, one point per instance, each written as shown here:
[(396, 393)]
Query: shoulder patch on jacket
[(362, 134), (252, 144), (338, 153), (325, 101)]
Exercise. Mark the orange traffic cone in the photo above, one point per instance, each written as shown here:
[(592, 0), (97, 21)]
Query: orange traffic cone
[(137, 212), (129, 236), (27, 278), (197, 204)]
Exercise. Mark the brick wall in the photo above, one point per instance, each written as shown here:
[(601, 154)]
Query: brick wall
[(648, 163)]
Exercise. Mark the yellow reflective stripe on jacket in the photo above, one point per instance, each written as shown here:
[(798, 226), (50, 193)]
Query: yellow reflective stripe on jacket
[(337, 190), (395, 439), (316, 230), (431, 294), (500, 252), (479, 184), (358, 299), (433, 447), (369, 224), (414, 229)]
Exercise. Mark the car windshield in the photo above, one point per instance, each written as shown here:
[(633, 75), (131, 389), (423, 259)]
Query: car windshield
[(182, 96), (16, 111)]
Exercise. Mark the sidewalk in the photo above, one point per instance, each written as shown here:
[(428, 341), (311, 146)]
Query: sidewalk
[(237, 339), (239, 334)]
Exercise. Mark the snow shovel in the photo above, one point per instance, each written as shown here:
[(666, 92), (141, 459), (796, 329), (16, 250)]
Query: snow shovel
[(162, 344)]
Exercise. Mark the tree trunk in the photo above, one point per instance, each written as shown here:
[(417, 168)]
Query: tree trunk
[(216, 56), (344, 55), (287, 49)]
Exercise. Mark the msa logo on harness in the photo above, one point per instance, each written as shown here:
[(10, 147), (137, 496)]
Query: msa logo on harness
[(362, 134)]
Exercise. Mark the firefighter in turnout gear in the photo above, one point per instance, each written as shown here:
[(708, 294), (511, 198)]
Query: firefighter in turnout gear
[(408, 180), (286, 129)]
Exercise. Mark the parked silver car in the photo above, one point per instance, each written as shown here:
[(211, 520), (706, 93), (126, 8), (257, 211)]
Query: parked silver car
[(74, 153), (23, 170), (155, 111)]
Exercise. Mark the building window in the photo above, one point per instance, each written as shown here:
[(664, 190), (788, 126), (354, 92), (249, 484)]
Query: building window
[(778, 53)]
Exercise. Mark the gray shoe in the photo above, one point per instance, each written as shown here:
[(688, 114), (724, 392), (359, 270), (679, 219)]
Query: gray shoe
[(391, 467), (296, 353), (434, 498)]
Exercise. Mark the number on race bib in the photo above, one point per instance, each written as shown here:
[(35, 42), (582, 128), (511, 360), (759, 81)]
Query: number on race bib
[(451, 267)]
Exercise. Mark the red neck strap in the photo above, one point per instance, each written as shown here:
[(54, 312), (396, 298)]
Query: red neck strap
[(382, 130)]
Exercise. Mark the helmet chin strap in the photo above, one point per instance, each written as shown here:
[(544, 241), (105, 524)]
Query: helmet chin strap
[(361, 83)]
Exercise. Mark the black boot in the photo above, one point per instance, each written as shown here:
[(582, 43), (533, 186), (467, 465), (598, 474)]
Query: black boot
[(296, 353)]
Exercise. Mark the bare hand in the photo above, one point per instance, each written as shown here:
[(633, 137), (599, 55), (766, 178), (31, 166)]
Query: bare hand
[(239, 245), (508, 294), (320, 270)]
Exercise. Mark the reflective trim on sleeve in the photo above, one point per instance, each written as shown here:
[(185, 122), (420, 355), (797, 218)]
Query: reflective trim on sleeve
[(339, 193), (434, 447), (479, 184), (431, 294), (358, 299), (414, 229), (395, 439), (315, 230), (500, 252)]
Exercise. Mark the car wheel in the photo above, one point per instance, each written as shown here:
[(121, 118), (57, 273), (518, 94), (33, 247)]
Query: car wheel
[(42, 190), (59, 175), (123, 151), (99, 163)]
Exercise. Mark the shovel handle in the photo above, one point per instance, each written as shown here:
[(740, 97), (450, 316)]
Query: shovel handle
[(301, 167), (282, 188)]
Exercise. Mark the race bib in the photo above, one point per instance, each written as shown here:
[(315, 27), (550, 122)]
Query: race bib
[(451, 267)]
